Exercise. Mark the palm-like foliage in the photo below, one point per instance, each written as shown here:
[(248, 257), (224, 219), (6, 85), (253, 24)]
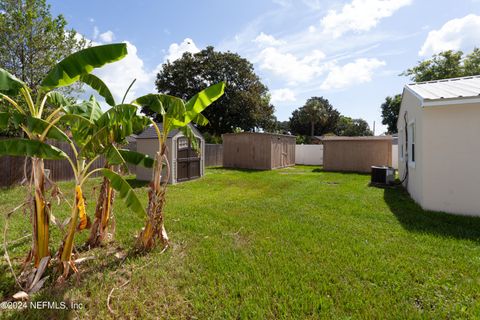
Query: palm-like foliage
[(175, 114), (29, 116)]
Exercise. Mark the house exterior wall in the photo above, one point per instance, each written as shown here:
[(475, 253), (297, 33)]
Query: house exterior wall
[(356, 155), (451, 176), (414, 184)]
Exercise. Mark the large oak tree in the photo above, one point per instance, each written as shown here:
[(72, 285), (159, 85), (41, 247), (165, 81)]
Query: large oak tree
[(246, 102)]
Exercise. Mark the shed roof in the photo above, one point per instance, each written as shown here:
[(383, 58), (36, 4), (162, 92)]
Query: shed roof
[(151, 133), (363, 138), (259, 133), (455, 88)]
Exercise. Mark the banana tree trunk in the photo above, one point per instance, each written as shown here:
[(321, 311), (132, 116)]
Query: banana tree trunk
[(155, 229), (103, 212), (78, 213), (40, 214)]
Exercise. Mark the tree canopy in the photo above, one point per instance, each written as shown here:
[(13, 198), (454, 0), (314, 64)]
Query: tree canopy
[(246, 102), (445, 65), (33, 40), (390, 111), (317, 117), (347, 126)]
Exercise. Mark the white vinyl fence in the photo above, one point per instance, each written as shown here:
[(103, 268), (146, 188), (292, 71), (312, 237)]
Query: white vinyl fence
[(395, 156), (310, 154)]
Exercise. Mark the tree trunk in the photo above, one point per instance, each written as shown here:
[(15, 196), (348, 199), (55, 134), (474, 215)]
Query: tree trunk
[(102, 213), (312, 129), (78, 213), (155, 229), (40, 216)]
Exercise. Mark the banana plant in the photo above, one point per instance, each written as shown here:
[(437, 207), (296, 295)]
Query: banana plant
[(175, 114), (29, 115), (96, 133)]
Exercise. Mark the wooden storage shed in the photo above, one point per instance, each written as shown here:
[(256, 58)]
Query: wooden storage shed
[(185, 163), (262, 151), (356, 154)]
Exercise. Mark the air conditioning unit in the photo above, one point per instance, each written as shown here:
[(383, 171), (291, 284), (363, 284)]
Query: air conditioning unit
[(382, 175)]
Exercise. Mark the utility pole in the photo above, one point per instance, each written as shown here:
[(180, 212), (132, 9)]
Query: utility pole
[(373, 127)]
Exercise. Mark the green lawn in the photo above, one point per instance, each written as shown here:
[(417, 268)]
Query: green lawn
[(292, 243)]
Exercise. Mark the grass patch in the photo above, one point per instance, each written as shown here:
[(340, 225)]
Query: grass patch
[(290, 243)]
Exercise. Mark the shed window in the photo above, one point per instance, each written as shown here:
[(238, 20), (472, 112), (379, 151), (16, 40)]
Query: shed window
[(182, 143), (411, 143)]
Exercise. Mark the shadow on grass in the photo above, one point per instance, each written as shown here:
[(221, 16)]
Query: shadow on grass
[(56, 295), (414, 218)]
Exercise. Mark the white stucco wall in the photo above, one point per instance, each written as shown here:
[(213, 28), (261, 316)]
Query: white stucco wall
[(451, 173), (411, 105)]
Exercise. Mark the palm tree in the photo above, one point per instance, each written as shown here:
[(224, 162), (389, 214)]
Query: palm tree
[(316, 113)]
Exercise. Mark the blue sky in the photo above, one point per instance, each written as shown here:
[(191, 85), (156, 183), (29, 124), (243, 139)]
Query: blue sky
[(348, 51)]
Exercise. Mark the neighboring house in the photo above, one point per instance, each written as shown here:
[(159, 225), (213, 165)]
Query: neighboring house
[(439, 145), (185, 163)]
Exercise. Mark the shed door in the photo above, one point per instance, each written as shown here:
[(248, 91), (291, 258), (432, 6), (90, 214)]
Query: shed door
[(188, 161)]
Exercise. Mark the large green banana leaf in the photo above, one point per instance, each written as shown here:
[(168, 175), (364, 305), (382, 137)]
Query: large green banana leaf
[(57, 99), (200, 101), (98, 85), (137, 158), (70, 69), (9, 84), (125, 192), (38, 126), (30, 148), (122, 121), (90, 109)]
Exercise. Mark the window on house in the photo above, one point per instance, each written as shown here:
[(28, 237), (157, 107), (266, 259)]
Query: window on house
[(411, 143)]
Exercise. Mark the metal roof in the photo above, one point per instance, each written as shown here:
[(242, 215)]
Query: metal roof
[(465, 87)]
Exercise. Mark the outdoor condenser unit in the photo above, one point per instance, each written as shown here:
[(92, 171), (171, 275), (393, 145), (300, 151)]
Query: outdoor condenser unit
[(382, 175)]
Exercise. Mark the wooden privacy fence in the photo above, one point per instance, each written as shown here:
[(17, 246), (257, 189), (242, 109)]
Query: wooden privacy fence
[(213, 155), (12, 168)]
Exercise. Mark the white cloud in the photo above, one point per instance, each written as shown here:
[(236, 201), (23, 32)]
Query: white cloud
[(282, 95), (312, 29), (289, 66), (267, 40), (360, 15), (120, 74), (107, 36), (359, 71), (175, 51), (453, 35)]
